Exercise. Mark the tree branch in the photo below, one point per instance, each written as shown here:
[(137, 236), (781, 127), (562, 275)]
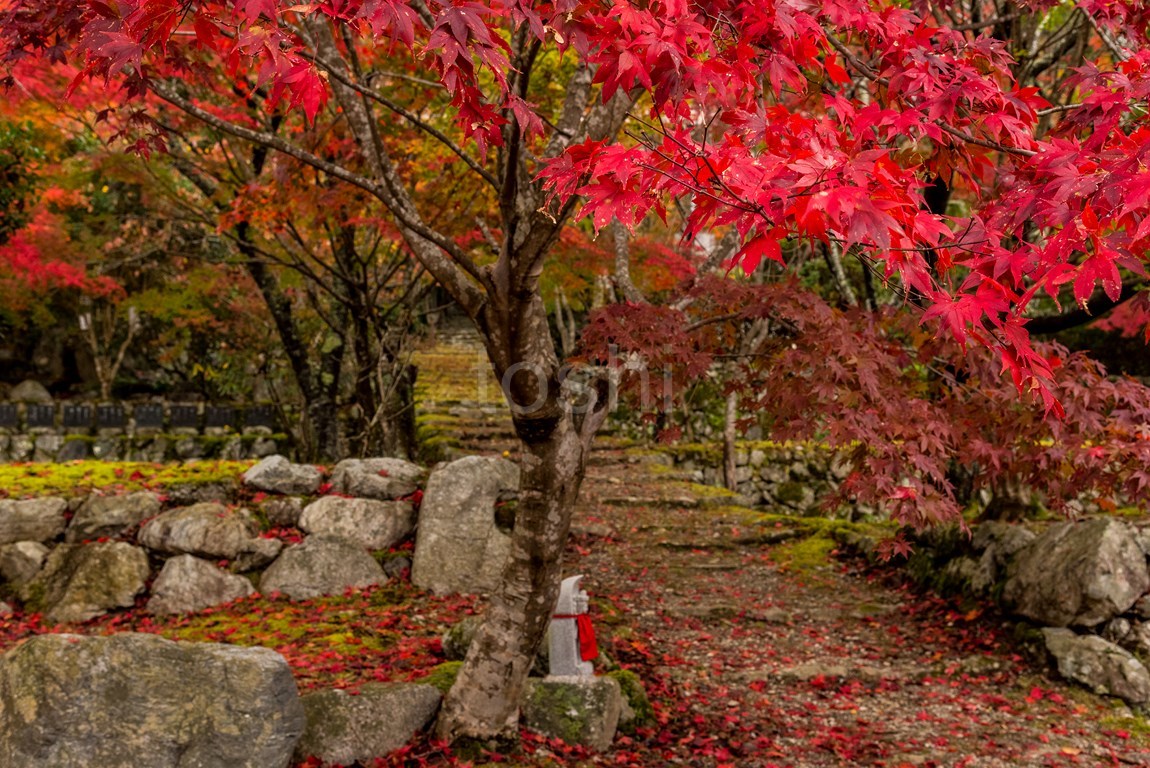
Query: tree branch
[(623, 265), (410, 117), (1098, 305)]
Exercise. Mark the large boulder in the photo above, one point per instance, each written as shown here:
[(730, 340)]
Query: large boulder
[(205, 530), (29, 391), (187, 584), (321, 565), (1077, 574), (140, 701), (1099, 665), (20, 562), (343, 729), (81, 581), (459, 546), (277, 474), (109, 516), (382, 479), (999, 542), (374, 524), (580, 711), (32, 519)]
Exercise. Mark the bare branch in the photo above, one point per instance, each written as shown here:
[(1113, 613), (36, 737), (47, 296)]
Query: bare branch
[(410, 117)]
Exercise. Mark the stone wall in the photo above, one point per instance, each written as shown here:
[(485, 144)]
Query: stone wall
[(791, 477), (70, 431), (1080, 589)]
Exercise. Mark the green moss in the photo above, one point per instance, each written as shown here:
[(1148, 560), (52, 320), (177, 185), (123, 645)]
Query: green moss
[(350, 642), (636, 697), (841, 531), (79, 477), (35, 598), (710, 491), (805, 555), (561, 706), (443, 676), (790, 492), (1136, 725)]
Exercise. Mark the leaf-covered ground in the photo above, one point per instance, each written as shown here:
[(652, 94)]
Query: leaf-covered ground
[(785, 655), (758, 644)]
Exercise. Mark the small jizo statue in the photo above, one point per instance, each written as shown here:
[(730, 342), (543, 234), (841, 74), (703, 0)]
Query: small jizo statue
[(573, 645)]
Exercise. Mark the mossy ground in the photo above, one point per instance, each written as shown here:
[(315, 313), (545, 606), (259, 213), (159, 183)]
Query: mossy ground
[(80, 477), (806, 554)]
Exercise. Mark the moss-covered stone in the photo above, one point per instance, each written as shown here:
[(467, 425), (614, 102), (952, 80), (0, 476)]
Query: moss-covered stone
[(576, 710), (640, 714), (344, 729)]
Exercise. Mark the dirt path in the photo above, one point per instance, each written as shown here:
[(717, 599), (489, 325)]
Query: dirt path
[(754, 664)]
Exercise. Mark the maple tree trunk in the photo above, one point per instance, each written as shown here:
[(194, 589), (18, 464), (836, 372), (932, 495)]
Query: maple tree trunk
[(484, 703)]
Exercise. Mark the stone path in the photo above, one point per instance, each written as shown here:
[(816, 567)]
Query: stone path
[(754, 664)]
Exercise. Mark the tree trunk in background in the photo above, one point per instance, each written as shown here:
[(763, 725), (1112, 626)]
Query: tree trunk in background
[(730, 464)]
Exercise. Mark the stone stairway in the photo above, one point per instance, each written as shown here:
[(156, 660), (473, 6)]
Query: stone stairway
[(460, 410)]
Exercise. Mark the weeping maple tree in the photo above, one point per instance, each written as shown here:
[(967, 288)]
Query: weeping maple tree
[(787, 123)]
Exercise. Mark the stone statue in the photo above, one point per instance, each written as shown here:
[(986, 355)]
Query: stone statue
[(572, 636)]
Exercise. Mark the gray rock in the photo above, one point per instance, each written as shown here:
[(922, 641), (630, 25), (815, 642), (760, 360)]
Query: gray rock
[(1006, 538), (961, 573), (1077, 574), (263, 447), (187, 584), (987, 575), (1142, 536), (187, 494), (1117, 630), (32, 519), (1142, 607), (140, 701), (282, 512), (321, 565), (110, 448), (20, 448), (459, 546), (74, 450), (277, 474), (343, 729), (47, 446), (20, 562), (382, 479), (1138, 639), (374, 524), (81, 581), (110, 516), (30, 391), (206, 530), (259, 553), (1099, 665), (576, 710), (395, 567)]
